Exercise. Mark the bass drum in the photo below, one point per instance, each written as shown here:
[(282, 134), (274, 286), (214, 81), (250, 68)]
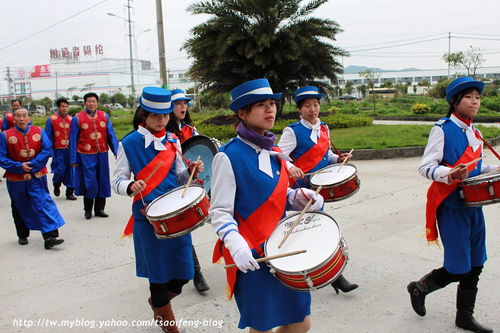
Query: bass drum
[(206, 148)]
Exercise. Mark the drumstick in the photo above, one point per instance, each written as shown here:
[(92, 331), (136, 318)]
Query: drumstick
[(190, 178), (343, 162), (297, 221), (316, 173), (272, 257), (466, 164), (149, 176)]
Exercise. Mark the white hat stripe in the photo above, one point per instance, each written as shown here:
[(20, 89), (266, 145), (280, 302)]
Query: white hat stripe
[(259, 91), (177, 96), (310, 92), (155, 105)]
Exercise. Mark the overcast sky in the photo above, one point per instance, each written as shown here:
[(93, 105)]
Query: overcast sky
[(369, 28)]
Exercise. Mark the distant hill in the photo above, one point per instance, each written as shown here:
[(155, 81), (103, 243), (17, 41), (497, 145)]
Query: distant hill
[(356, 69)]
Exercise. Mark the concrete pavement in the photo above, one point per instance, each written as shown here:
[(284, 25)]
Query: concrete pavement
[(89, 282)]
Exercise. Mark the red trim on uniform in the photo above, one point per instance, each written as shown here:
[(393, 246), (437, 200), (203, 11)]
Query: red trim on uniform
[(258, 226), (438, 192), (185, 133), (313, 156)]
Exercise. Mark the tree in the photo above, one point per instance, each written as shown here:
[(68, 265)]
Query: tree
[(275, 39), (362, 90), (76, 98), (371, 78), (104, 99), (470, 60), (119, 98), (349, 87)]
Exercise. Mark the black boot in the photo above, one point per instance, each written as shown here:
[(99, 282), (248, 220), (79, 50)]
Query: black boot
[(199, 281), (344, 285), (57, 189), (69, 193), (88, 203), (99, 207), (466, 299), (419, 289)]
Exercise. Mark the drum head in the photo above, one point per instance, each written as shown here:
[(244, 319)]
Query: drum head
[(204, 147), (173, 201), (318, 233), (495, 176), (333, 174)]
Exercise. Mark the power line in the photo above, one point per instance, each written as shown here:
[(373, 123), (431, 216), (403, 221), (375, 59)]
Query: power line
[(404, 44), (51, 26)]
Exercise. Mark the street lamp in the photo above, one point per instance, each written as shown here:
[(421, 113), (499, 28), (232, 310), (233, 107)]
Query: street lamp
[(132, 86), (135, 41)]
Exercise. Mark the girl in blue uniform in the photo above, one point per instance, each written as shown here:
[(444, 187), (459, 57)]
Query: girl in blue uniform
[(250, 194), (454, 142), (307, 142), (167, 263)]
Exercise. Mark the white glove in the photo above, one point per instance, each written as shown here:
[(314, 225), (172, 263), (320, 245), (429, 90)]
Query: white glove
[(240, 251), (297, 200)]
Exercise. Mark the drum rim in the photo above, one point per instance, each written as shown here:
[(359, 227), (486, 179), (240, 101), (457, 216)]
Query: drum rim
[(476, 180), (317, 266), (337, 183), (184, 232), (180, 210), (188, 143)]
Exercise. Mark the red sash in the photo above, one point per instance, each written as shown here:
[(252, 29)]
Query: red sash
[(313, 156), (438, 192), (167, 158), (185, 133), (257, 227)]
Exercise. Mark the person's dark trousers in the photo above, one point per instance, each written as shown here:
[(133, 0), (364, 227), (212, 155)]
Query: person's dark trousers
[(50, 234), (21, 229), (57, 189), (69, 193), (100, 203), (88, 203), (199, 280)]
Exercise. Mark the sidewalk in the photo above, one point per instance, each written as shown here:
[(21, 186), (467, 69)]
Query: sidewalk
[(90, 279)]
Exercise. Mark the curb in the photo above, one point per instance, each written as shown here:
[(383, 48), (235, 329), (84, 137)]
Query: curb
[(388, 153)]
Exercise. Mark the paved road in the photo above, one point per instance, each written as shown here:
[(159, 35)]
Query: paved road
[(90, 279)]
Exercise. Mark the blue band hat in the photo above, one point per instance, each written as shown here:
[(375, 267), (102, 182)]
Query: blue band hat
[(251, 92), (179, 95), (306, 92), (156, 100), (460, 84)]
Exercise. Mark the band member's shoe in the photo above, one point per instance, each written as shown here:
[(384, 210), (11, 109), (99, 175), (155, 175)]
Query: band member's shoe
[(419, 289), (69, 194), (100, 213), (344, 285), (22, 241), (199, 282), (466, 299), (51, 242), (88, 214), (57, 191), (164, 317)]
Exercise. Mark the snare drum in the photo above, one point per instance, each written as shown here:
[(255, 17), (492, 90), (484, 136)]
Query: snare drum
[(206, 148), (481, 190), (326, 255), (172, 216), (338, 181)]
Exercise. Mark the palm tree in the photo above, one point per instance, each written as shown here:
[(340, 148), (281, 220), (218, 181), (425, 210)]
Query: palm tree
[(275, 39)]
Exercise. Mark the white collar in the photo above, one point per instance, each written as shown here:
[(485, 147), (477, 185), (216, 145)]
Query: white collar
[(265, 157), (315, 129), (148, 138), (474, 141)]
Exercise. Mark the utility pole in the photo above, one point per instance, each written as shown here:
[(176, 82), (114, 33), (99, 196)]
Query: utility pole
[(449, 50), (9, 81), (161, 45), (132, 85)]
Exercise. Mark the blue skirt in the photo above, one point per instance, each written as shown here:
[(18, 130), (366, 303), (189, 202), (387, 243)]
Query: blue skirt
[(161, 260), (264, 302)]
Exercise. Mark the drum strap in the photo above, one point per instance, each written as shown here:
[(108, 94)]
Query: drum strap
[(490, 147), (313, 156), (439, 191), (257, 227), (166, 157)]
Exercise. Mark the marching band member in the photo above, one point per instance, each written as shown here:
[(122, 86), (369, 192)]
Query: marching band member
[(249, 196), (8, 118), (57, 128), (24, 152), (307, 142), (181, 125), (453, 142), (90, 135), (167, 263)]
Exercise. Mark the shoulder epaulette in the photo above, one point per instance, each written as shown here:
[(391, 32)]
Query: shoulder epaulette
[(297, 123), (224, 147), (441, 121)]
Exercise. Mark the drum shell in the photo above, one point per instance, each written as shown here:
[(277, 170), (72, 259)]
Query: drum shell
[(318, 275), (480, 191), (182, 221), (340, 190)]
